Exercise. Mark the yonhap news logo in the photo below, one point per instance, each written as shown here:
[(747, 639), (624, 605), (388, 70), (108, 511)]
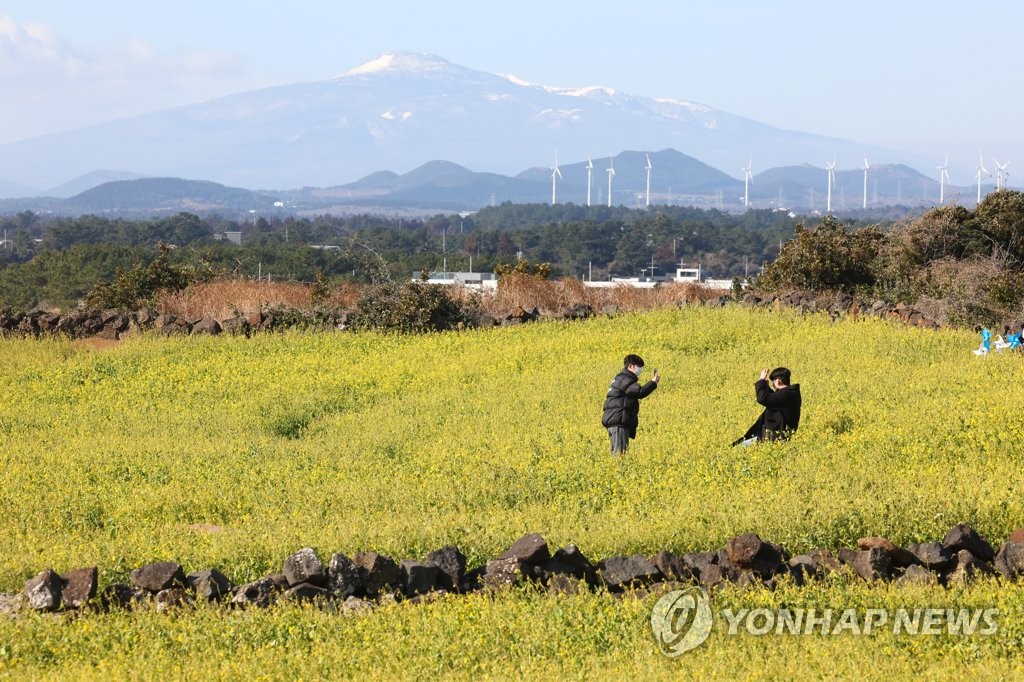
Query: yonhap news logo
[(682, 620)]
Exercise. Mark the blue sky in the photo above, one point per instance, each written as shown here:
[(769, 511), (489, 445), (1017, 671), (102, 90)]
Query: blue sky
[(929, 77)]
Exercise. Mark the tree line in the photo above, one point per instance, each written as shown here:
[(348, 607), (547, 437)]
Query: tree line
[(58, 260)]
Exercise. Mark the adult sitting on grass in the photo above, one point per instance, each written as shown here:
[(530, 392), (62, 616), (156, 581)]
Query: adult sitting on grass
[(622, 402), (781, 415)]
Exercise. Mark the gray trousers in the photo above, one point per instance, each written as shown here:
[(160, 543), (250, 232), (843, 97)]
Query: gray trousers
[(619, 436)]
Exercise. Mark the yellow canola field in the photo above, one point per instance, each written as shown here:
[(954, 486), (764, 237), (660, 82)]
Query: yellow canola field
[(233, 453)]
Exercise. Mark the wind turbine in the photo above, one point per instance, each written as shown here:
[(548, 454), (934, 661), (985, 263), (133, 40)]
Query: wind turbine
[(1001, 173), (555, 174), (748, 178), (831, 168), (648, 168), (943, 179), (611, 174), (981, 170), (590, 174), (864, 204)]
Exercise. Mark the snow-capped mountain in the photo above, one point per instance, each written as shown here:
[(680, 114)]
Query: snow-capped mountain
[(401, 110)]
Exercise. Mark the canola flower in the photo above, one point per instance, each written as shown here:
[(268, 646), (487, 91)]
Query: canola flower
[(233, 452)]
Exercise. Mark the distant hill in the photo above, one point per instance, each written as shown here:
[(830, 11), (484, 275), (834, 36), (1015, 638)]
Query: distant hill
[(12, 190), (438, 186), (159, 195), (86, 182)]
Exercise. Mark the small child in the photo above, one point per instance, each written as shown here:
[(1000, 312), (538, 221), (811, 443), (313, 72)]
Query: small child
[(1014, 339)]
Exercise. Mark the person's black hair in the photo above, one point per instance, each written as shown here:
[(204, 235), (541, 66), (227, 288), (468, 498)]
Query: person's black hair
[(780, 373), (633, 360)]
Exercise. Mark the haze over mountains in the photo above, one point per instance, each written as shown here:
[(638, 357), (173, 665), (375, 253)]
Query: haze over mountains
[(401, 111)]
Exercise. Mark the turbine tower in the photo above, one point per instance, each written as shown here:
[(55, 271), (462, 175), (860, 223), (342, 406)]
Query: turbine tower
[(611, 174), (590, 175), (831, 168), (748, 178), (943, 179), (981, 171), (1001, 174), (864, 203), (648, 169), (555, 174)]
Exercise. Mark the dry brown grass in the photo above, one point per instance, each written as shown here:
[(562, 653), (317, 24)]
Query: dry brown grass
[(224, 298), (553, 296)]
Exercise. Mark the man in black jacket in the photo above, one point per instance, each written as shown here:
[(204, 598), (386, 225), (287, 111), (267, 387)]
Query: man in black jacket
[(622, 403), (781, 415)]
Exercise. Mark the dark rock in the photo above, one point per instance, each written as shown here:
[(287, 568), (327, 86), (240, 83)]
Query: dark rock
[(472, 580), (258, 593), (306, 592), (901, 558), (145, 317), (305, 567), (698, 562), (750, 579), (619, 572), (235, 326), (377, 572), (825, 560), (933, 555), (713, 575), (79, 587), (280, 581), (48, 321), (164, 320), (578, 311), (508, 571), (487, 321), (968, 567), (1010, 560), (452, 566), (749, 552), (42, 593), (564, 583), (210, 584), (123, 596), (919, 575), (343, 576), (872, 564), (208, 326), (962, 536), (672, 566), (531, 549), (159, 576), (171, 598), (803, 566), (418, 577), (570, 561)]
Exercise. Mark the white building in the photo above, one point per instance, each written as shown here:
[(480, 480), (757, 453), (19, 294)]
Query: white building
[(479, 281)]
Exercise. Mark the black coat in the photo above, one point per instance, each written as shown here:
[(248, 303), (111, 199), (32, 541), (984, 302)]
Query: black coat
[(622, 404), (781, 415)]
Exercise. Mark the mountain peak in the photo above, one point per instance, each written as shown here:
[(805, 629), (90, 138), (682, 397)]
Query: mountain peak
[(400, 62)]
